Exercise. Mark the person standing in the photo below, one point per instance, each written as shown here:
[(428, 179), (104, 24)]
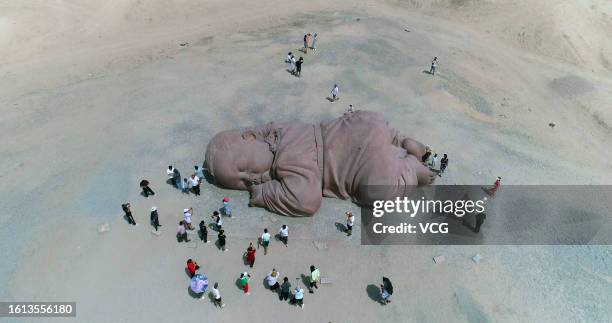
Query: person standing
[(176, 176), (386, 290), (217, 296), (128, 213), (298, 67), (426, 155), (265, 240), (293, 65), (250, 255), (170, 173), (298, 297), (192, 266), (199, 173), (288, 61), (315, 278), (283, 234), (181, 234), (187, 218), (272, 280), (195, 184), (480, 217), (306, 43), (443, 164), (285, 290), (350, 221), (227, 209), (434, 65), (146, 190), (434, 161), (185, 186), (350, 109), (155, 218), (244, 282), (221, 239), (203, 232), (334, 92), (314, 42), (218, 221)]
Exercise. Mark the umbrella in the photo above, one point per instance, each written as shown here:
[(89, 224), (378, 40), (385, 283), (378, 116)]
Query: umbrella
[(387, 285), (199, 283), (144, 183)]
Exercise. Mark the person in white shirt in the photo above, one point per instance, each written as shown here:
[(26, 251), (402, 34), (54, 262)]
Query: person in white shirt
[(187, 218), (170, 173), (350, 221), (195, 184), (335, 91), (272, 280), (283, 234), (217, 296), (265, 240), (434, 161)]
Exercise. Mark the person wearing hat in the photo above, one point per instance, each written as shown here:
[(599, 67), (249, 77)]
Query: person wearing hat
[(155, 218), (272, 280), (226, 209), (244, 282), (187, 218)]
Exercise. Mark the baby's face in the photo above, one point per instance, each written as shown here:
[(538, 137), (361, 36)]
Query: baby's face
[(238, 158)]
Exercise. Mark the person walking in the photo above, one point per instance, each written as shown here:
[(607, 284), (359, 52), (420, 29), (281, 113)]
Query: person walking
[(315, 278), (155, 218), (146, 190), (192, 266), (265, 240), (185, 186), (181, 234), (272, 280), (226, 209), (386, 290), (250, 255), (314, 42), (283, 234), (285, 290), (244, 282), (217, 296), (350, 221), (199, 173), (195, 184), (298, 297), (218, 221), (203, 232), (128, 213), (221, 239), (434, 65), (176, 176), (334, 92), (495, 187), (187, 218), (170, 173), (288, 60), (480, 217), (443, 164), (298, 67)]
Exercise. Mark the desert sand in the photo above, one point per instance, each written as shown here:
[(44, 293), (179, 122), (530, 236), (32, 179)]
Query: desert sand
[(95, 96)]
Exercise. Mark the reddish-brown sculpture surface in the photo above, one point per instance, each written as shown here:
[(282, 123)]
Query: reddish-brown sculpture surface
[(289, 167)]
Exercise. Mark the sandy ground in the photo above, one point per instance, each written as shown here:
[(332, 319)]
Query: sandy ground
[(94, 97)]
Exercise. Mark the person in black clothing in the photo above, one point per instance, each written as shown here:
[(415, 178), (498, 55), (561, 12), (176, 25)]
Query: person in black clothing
[(128, 213), (146, 190), (203, 232), (426, 156), (298, 67), (480, 217), (221, 238), (443, 164), (155, 218), (285, 290)]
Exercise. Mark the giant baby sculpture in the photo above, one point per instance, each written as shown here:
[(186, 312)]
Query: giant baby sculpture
[(289, 167)]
